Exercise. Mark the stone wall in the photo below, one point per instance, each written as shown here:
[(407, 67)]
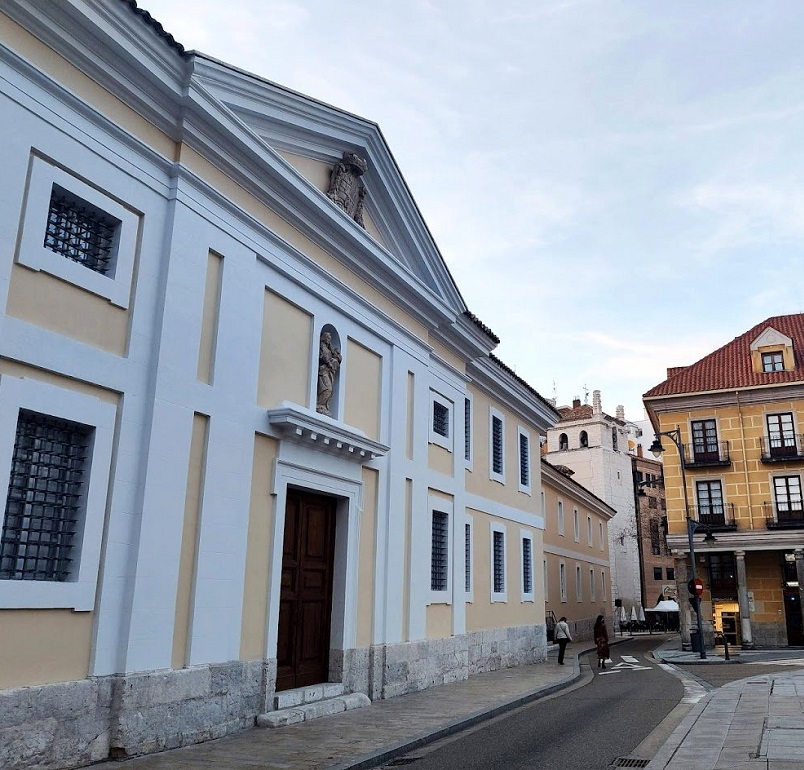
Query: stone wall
[(769, 634)]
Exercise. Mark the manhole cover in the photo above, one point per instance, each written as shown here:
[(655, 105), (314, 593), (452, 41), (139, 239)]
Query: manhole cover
[(630, 762)]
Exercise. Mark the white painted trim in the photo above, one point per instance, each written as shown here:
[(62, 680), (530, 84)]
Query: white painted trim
[(437, 438), (578, 583), (79, 591), (498, 596), (592, 592), (33, 254), (546, 578), (562, 581), (526, 596), (560, 518), (576, 525), (524, 488), (603, 536), (442, 505), (570, 554), (469, 595), (499, 477), (590, 531), (501, 511)]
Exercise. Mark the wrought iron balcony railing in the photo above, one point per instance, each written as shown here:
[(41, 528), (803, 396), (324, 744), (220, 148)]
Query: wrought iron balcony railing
[(715, 517), (787, 516), (707, 456), (787, 448)]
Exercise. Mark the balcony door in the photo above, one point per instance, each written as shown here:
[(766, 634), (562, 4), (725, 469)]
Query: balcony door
[(704, 441), (710, 502), (787, 490), (781, 435)]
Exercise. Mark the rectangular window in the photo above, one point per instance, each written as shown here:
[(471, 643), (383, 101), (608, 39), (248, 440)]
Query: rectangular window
[(80, 231), (467, 563), (467, 429), (562, 581), (657, 573), (439, 558), (773, 362), (710, 502), (600, 532), (440, 419), (592, 585), (524, 461), (781, 435), (788, 494), (704, 440), (40, 539), (498, 564), (589, 536), (527, 569), (576, 525), (560, 520), (578, 585), (546, 584), (497, 447), (602, 584), (671, 573)]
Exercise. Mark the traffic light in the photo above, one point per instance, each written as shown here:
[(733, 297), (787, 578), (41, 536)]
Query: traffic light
[(695, 587)]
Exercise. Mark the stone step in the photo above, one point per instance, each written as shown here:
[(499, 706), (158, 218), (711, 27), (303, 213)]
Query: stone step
[(304, 712), (286, 699)]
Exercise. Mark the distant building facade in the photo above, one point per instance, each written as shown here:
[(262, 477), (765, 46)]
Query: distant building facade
[(598, 447), (740, 412)]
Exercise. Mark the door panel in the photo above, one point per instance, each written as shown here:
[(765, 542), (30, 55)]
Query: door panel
[(305, 608)]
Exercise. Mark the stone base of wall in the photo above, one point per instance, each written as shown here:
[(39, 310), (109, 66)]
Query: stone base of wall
[(769, 634)]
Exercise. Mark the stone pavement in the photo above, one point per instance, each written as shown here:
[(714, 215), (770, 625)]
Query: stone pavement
[(755, 723), (369, 736)]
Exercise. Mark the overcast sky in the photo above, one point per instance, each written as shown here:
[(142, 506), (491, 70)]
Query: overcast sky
[(616, 186)]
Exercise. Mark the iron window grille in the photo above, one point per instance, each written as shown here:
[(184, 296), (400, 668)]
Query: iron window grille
[(527, 565), (524, 460), (467, 429), (45, 494), (467, 564), (439, 565), (440, 419), (80, 231), (499, 562), (497, 445)]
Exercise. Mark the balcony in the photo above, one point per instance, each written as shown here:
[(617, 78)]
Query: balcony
[(712, 455), (783, 518), (778, 449), (717, 518)]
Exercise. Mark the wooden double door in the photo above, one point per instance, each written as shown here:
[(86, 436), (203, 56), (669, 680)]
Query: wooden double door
[(305, 604)]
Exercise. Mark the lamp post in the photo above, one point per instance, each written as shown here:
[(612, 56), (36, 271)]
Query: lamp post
[(656, 450)]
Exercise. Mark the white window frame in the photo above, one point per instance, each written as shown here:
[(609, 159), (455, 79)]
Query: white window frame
[(498, 596), (592, 584), (499, 477), (590, 532), (527, 596), (34, 254), (470, 460), (603, 584), (576, 525), (78, 592), (562, 581), (578, 583), (442, 506), (544, 506), (546, 570), (524, 488), (560, 526), (602, 536), (469, 595), (437, 438)]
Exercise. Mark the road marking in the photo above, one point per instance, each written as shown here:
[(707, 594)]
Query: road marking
[(783, 662), (693, 691), (630, 663)]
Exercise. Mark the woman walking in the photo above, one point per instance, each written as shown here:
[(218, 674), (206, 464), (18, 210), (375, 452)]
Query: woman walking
[(563, 637), (601, 636)]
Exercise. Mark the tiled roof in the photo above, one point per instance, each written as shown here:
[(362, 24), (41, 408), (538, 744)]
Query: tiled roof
[(730, 366), (569, 413), (157, 27), (511, 373), (480, 325)]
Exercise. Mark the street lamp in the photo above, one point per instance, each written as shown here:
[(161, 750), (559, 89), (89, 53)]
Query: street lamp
[(656, 449)]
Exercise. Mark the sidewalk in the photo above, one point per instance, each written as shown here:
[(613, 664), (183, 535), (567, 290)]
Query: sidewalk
[(370, 736), (755, 723)]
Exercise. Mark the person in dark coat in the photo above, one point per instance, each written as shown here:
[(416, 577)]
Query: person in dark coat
[(601, 637)]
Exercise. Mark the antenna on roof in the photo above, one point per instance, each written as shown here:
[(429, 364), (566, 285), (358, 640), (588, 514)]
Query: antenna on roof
[(555, 392), (585, 394)]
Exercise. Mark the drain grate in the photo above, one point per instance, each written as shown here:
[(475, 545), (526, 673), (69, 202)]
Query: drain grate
[(630, 762)]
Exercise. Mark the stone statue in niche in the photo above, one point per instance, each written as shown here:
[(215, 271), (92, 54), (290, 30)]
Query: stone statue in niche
[(329, 361), (345, 188)]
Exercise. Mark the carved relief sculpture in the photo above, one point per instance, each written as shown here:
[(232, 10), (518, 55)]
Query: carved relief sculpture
[(345, 188), (329, 361)]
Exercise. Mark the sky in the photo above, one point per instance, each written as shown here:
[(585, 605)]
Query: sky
[(617, 186)]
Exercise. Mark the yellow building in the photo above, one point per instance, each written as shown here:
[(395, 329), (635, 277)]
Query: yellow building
[(739, 412), (577, 577)]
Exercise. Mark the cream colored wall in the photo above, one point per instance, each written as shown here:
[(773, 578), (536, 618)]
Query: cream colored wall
[(439, 459), (44, 646), (368, 548), (258, 551), (209, 318), (284, 353), (567, 541), (363, 389), (477, 480), (439, 621), (50, 303), (587, 609), (17, 369), (20, 40), (482, 613), (440, 350), (187, 556)]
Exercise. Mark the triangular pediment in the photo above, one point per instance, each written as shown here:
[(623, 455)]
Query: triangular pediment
[(771, 336), (311, 138)]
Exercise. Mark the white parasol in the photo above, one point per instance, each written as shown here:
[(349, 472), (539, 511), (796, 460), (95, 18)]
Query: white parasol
[(633, 614), (641, 614), (665, 605), (623, 616)]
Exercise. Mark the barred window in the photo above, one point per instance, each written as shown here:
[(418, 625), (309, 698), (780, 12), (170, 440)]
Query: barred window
[(527, 565), (44, 500), (80, 231), (467, 429), (467, 564), (499, 562), (524, 460), (497, 445), (439, 563), (440, 419)]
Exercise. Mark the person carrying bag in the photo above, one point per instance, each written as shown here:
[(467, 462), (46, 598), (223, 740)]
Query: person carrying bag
[(563, 637)]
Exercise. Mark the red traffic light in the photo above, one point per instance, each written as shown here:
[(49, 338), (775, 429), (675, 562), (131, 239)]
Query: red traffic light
[(695, 587)]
